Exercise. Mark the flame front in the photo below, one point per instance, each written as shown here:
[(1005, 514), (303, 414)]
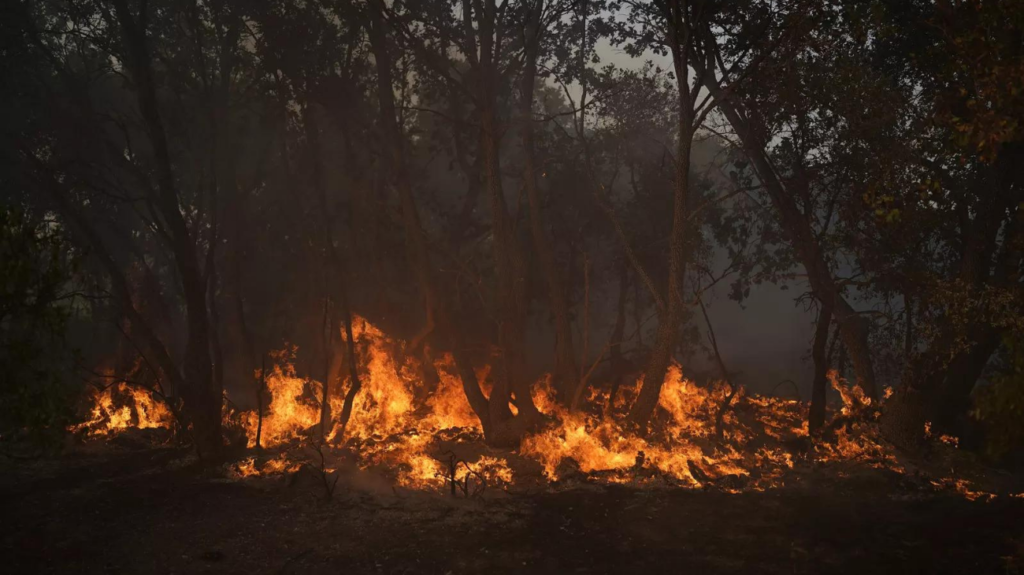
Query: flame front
[(408, 429)]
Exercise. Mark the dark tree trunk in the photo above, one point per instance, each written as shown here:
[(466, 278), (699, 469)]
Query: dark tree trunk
[(852, 327), (415, 242), (510, 270), (670, 318), (619, 366), (566, 371), (936, 389), (439, 325), (201, 398), (355, 384), (510, 285), (938, 381), (819, 386), (329, 329), (261, 385), (336, 281)]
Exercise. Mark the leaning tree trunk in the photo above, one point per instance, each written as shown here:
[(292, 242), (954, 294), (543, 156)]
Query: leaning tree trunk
[(355, 384), (668, 324), (329, 328), (853, 328)]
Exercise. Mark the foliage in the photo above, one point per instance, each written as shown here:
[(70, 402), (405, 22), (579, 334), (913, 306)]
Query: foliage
[(1000, 405), (35, 269)]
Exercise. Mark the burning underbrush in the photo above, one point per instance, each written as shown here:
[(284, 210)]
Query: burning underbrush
[(409, 434), (120, 407)]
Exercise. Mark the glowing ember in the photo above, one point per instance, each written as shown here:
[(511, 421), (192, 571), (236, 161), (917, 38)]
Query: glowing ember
[(249, 468), (963, 487)]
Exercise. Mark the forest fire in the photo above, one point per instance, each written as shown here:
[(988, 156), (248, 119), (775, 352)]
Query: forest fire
[(701, 436), (527, 286)]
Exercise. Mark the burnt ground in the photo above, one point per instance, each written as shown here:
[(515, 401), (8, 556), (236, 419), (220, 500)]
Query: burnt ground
[(141, 512)]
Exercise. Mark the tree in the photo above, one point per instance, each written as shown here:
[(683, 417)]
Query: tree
[(846, 122), (132, 169), (675, 28), (965, 199), (37, 294), (739, 68), (481, 36), (437, 308)]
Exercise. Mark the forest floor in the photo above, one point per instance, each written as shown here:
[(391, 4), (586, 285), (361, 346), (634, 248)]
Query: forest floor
[(145, 512)]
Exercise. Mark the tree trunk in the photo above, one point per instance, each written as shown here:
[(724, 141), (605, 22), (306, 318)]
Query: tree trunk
[(353, 370), (936, 388), (329, 329), (937, 384), (201, 398), (619, 366), (336, 284), (566, 371), (510, 272), (415, 242), (261, 385), (439, 324), (510, 285), (670, 318), (225, 187), (819, 386), (853, 328)]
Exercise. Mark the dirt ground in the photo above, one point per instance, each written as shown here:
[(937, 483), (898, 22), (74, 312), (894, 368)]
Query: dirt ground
[(141, 512)]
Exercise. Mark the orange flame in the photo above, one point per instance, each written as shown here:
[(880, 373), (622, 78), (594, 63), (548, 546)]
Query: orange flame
[(700, 435), (122, 406), (288, 415)]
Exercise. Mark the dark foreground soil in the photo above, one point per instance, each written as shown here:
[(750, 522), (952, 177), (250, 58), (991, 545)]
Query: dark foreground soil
[(142, 513)]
